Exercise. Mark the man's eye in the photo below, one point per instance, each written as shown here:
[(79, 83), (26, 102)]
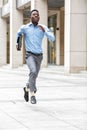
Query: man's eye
[(35, 14)]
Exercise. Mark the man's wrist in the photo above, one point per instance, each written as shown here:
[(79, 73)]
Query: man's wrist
[(42, 28)]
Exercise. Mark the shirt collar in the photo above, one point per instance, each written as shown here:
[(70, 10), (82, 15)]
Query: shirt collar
[(31, 24)]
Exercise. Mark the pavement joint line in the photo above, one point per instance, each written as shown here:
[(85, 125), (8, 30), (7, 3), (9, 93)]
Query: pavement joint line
[(53, 115), (45, 86), (64, 99), (67, 122), (61, 80), (15, 119), (46, 100), (49, 113), (11, 101)]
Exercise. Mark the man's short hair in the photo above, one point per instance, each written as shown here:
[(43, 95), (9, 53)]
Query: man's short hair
[(33, 11)]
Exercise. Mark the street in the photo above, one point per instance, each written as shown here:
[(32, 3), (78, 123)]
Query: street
[(61, 100)]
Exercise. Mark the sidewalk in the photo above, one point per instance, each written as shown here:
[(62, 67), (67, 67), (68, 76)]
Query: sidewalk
[(61, 100)]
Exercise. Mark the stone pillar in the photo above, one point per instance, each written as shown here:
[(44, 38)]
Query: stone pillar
[(41, 5), (58, 57), (61, 36), (16, 20), (75, 35), (3, 38)]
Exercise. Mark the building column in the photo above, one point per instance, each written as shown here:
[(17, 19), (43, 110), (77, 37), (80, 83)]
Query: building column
[(75, 35), (3, 39), (16, 20), (42, 6), (62, 36)]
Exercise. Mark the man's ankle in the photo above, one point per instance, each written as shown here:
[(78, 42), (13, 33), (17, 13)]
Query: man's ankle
[(27, 89), (32, 93)]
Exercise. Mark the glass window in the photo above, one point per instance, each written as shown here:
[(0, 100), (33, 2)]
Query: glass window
[(52, 47), (5, 2)]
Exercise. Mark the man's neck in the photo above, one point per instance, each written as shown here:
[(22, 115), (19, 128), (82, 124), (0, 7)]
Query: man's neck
[(35, 23)]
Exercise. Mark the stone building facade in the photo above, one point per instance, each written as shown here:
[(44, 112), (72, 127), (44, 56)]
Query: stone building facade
[(66, 18)]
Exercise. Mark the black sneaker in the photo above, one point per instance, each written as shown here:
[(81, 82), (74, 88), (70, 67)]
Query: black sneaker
[(33, 100), (26, 95)]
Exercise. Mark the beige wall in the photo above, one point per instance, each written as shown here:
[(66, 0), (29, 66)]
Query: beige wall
[(3, 42), (3, 39), (1, 3), (16, 20), (75, 35)]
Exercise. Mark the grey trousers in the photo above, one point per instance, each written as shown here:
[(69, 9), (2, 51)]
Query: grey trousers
[(33, 62)]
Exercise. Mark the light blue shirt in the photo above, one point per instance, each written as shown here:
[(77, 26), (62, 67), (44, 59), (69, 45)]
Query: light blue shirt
[(33, 36)]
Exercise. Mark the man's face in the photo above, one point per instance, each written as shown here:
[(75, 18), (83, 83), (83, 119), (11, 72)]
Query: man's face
[(35, 17)]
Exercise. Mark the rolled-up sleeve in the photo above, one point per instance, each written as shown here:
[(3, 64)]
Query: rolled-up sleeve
[(49, 34), (19, 33)]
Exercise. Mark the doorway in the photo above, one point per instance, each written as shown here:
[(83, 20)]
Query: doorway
[(52, 46)]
